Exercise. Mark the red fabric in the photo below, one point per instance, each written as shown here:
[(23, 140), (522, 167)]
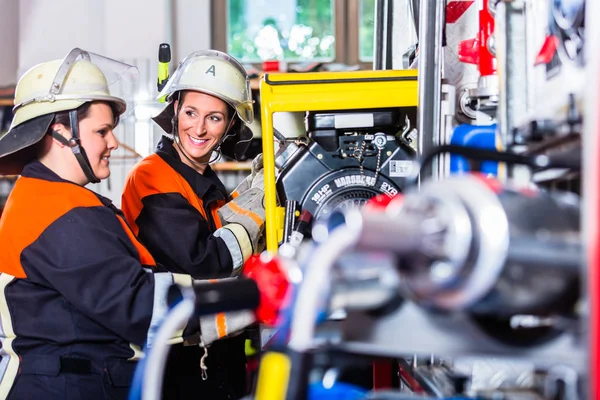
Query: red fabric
[(273, 285)]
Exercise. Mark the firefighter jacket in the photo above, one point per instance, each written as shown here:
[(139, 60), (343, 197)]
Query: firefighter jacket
[(78, 298), (173, 210)]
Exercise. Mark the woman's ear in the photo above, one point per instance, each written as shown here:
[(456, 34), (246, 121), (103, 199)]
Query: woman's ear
[(233, 123), (232, 126), (61, 130)]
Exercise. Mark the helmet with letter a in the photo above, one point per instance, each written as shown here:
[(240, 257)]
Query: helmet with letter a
[(220, 75)]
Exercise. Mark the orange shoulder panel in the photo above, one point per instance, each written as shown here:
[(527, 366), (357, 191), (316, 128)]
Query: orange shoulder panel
[(153, 176), (145, 257), (32, 206)]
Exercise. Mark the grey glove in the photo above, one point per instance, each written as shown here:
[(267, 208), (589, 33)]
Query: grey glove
[(211, 327), (259, 180), (214, 326), (244, 217), (256, 174)]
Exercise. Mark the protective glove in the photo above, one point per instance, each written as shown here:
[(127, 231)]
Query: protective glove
[(209, 328), (259, 180), (243, 220), (256, 171), (224, 324)]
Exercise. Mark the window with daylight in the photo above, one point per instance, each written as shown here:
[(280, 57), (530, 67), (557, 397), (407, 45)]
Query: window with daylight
[(291, 30), (366, 30), (254, 31)]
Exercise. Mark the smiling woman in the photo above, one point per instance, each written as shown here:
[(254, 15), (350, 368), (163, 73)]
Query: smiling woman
[(94, 293), (182, 213), (203, 121), (97, 120), (70, 254)]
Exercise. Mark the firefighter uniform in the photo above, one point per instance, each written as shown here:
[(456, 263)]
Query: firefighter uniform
[(73, 319), (176, 211), (79, 294), (172, 209)]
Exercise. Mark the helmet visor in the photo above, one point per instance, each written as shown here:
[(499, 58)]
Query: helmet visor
[(85, 76)]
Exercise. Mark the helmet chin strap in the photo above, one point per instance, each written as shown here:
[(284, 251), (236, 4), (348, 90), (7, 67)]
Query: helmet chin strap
[(216, 149), (75, 144)]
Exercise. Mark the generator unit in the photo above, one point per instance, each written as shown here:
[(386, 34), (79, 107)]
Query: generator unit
[(359, 141), (347, 158)]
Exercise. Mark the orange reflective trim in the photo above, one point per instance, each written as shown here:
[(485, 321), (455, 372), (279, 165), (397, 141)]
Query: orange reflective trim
[(221, 322), (32, 206), (220, 318), (153, 176), (250, 214), (213, 211), (145, 256)]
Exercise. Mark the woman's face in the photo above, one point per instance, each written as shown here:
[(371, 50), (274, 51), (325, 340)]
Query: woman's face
[(202, 122), (98, 139)]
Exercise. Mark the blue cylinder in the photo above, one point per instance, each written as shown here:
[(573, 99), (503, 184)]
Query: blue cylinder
[(339, 391), (483, 137)]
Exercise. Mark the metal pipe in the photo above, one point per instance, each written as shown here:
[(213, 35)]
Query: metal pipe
[(414, 10), (379, 45), (389, 18), (171, 27), (384, 14), (431, 23), (536, 252), (157, 357), (378, 231), (511, 53), (316, 286)]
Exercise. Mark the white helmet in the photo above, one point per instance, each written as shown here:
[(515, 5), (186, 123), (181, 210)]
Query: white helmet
[(55, 86), (215, 73), (220, 75)]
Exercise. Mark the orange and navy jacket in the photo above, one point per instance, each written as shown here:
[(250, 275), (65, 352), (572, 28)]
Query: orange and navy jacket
[(173, 210), (74, 281)]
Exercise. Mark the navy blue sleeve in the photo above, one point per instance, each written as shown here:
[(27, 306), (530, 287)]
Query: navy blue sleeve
[(180, 238), (88, 258)]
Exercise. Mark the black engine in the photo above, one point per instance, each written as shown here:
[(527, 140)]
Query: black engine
[(346, 158)]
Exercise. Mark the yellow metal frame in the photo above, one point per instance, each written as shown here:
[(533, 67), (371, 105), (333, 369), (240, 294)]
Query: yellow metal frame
[(321, 91)]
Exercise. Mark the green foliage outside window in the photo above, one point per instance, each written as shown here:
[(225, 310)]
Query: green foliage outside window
[(366, 30), (312, 36)]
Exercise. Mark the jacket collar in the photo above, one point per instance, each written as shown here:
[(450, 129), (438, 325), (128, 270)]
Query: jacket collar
[(201, 183), (35, 169)]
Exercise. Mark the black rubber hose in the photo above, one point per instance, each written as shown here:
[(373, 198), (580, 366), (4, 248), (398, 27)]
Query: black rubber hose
[(478, 154)]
